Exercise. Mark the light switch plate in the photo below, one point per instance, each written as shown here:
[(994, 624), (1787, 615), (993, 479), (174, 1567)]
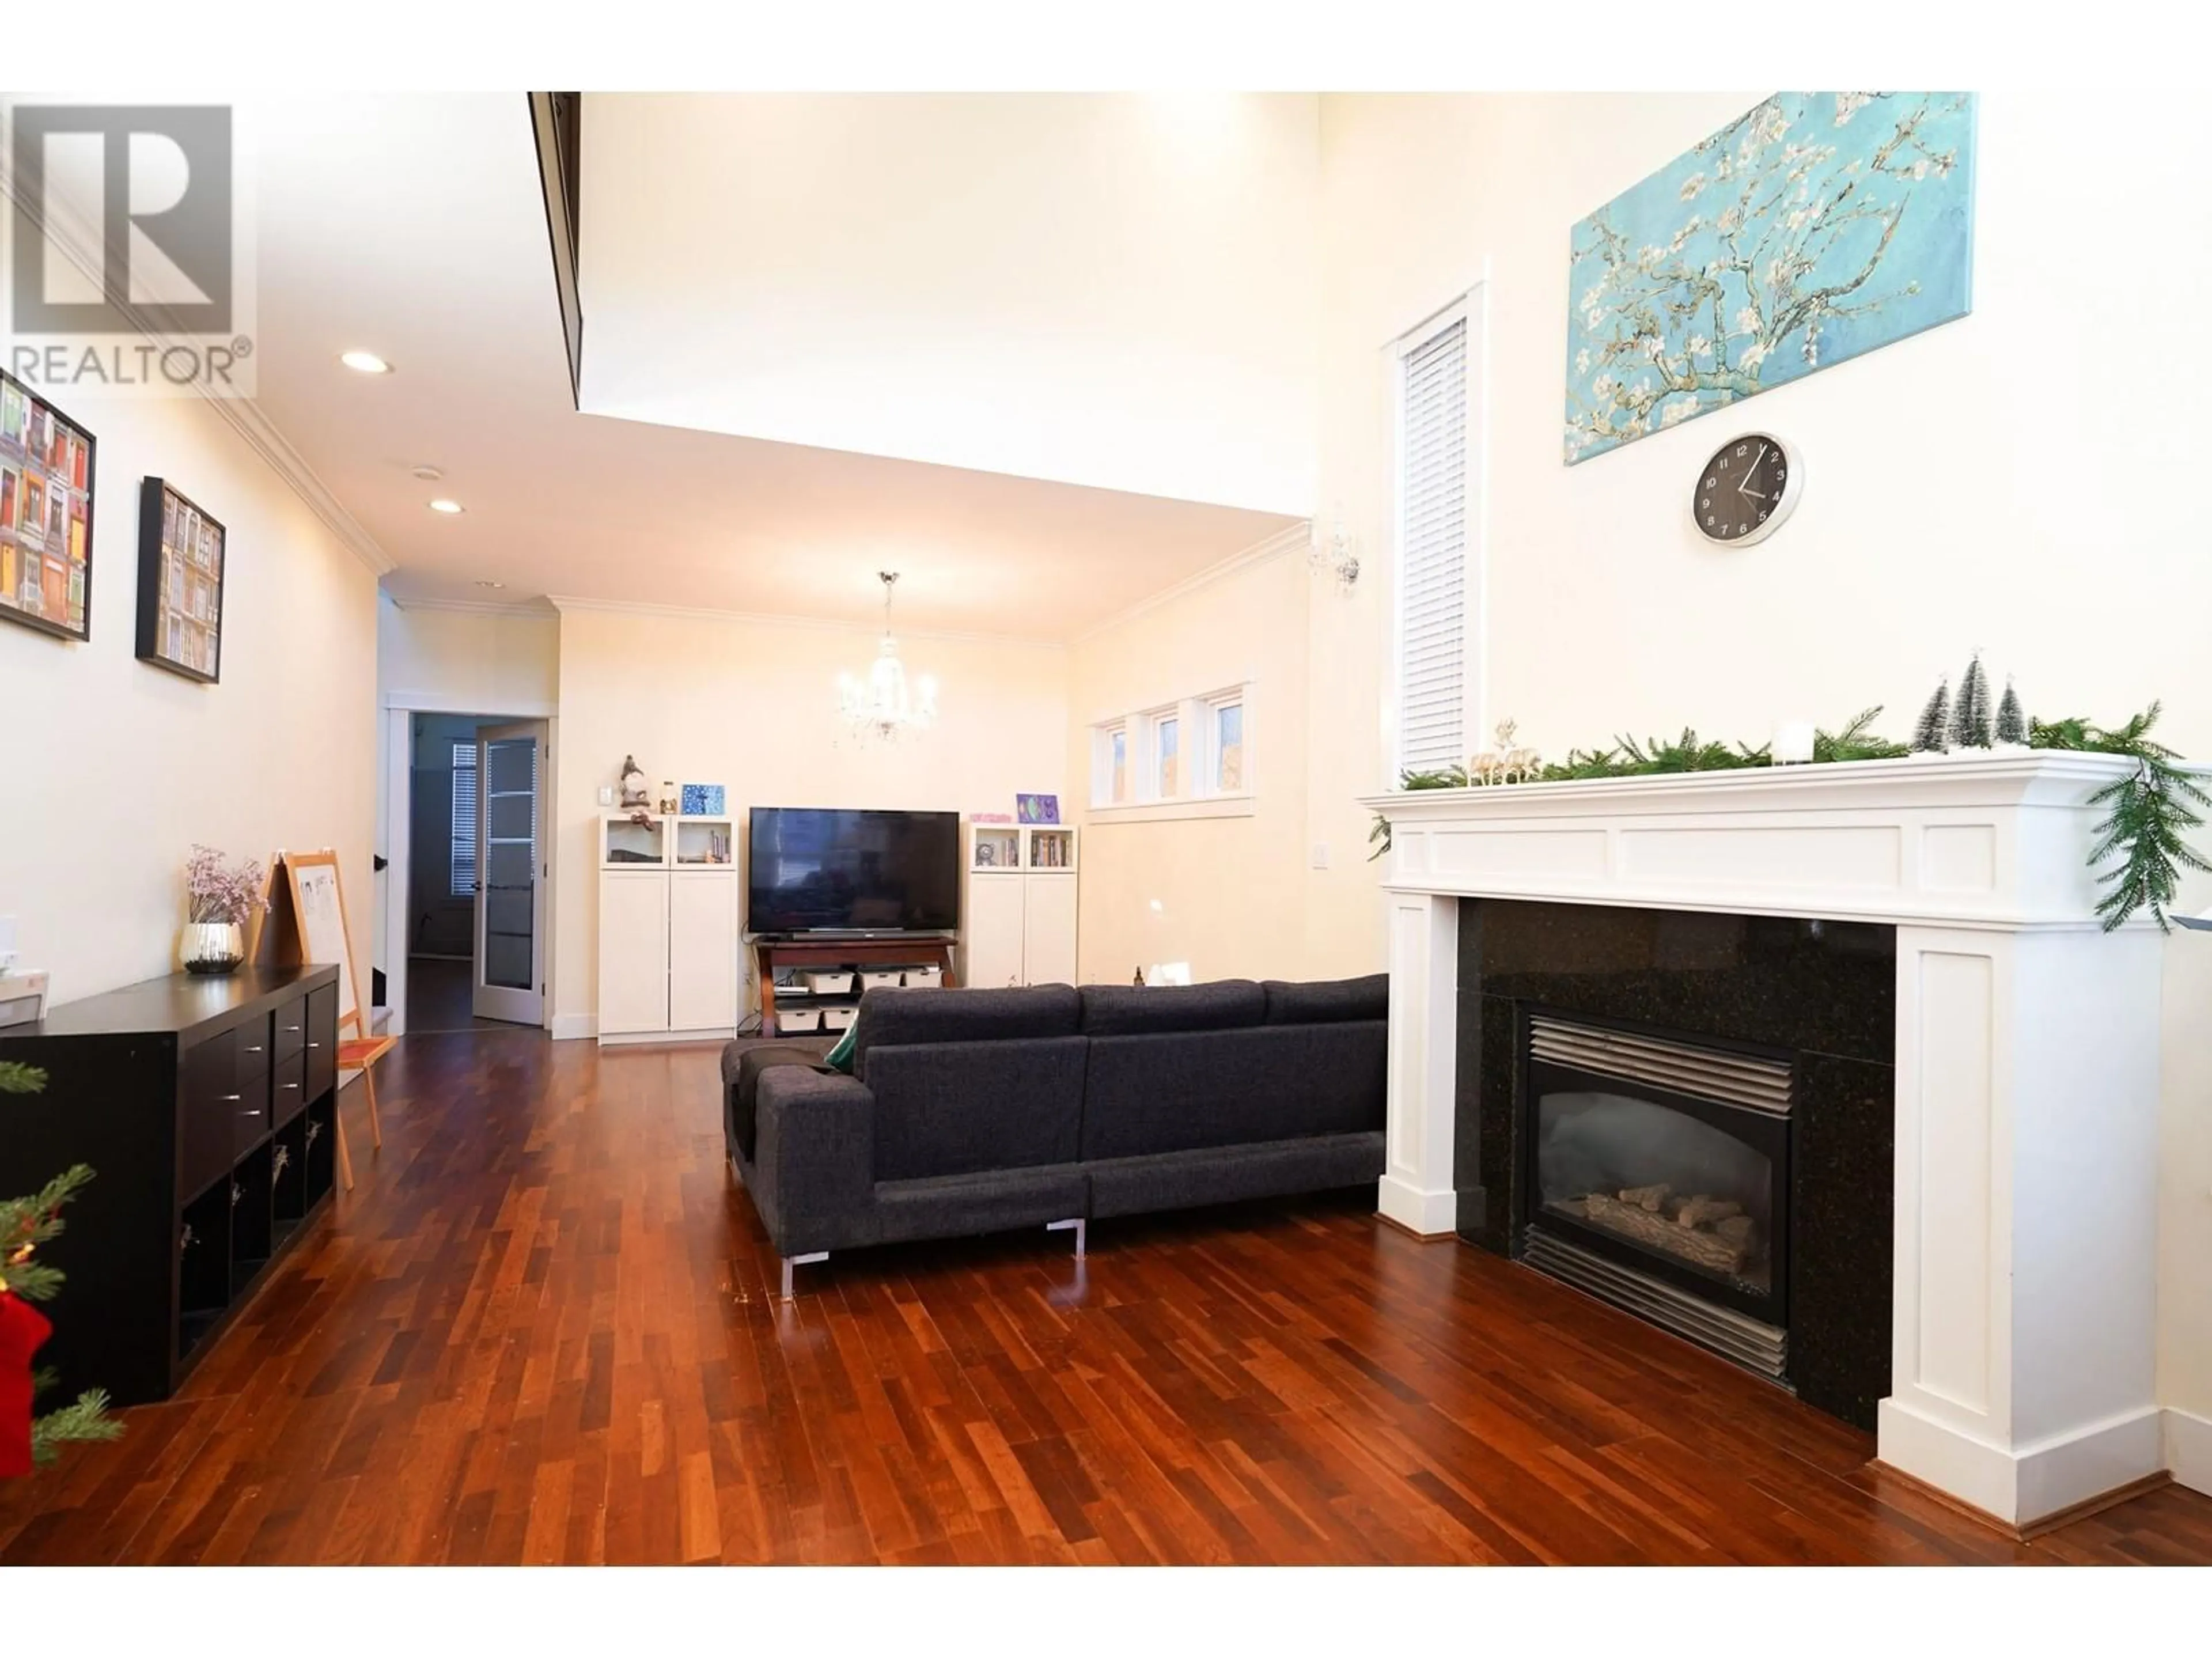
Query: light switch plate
[(606, 794), (1320, 855)]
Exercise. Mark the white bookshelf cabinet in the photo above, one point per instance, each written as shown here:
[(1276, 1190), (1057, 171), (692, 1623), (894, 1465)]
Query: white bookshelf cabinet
[(669, 915), (1019, 921)]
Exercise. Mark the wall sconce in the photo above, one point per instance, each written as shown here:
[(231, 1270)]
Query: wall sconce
[(1336, 555)]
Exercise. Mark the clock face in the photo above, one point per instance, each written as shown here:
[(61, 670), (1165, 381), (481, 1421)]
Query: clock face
[(1745, 489)]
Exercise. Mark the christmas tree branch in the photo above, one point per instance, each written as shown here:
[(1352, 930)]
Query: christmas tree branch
[(85, 1418), (27, 1223)]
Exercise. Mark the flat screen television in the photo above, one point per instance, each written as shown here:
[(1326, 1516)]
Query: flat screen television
[(828, 870)]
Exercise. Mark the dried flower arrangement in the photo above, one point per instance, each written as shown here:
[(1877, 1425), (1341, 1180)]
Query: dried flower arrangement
[(220, 892)]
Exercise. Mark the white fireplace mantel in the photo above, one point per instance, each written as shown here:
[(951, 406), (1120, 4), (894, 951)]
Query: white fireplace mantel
[(2023, 1334)]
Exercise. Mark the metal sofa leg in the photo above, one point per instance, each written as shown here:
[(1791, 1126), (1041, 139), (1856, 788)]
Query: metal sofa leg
[(1062, 1226), (791, 1261)]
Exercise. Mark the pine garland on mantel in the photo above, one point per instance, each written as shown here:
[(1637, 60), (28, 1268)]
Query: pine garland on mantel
[(2149, 811)]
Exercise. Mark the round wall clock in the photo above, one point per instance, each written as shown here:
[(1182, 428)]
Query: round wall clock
[(1746, 489)]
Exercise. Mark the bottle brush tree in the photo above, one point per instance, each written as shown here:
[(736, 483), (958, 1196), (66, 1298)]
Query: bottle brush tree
[(1970, 710), (1930, 734), (2012, 718)]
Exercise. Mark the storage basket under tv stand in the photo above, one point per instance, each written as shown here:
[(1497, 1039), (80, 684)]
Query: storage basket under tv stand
[(772, 955)]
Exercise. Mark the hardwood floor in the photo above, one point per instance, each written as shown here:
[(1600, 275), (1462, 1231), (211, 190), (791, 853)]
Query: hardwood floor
[(543, 1328), (440, 997)]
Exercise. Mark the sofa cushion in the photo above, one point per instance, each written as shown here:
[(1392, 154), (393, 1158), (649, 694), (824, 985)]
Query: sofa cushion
[(1328, 1001), (1178, 1090), (947, 1108), (1128, 1009), (902, 1016), (1225, 1175), (991, 1201)]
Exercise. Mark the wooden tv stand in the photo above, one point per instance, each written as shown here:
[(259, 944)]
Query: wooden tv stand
[(769, 955)]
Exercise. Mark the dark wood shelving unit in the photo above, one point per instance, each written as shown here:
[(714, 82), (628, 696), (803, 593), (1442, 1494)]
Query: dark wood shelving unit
[(205, 1108), (771, 955)]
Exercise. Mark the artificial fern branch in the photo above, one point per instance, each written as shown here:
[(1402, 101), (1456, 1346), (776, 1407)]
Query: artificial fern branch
[(2148, 814)]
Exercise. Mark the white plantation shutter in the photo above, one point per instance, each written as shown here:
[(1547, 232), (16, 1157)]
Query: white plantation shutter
[(464, 872), (1433, 540)]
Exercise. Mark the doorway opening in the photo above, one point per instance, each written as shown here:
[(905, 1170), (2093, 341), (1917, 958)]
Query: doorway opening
[(477, 873)]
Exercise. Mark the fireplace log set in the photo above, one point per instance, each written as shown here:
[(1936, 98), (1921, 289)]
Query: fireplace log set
[(1713, 1233)]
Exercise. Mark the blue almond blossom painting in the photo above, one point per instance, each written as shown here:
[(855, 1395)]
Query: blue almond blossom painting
[(1816, 226)]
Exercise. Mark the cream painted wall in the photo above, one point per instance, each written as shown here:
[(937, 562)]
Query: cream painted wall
[(752, 703), (2006, 481), (1209, 891), (114, 768), (1114, 289), (467, 662)]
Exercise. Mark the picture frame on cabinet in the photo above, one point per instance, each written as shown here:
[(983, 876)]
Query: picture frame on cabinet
[(703, 800), (1037, 809), (183, 571)]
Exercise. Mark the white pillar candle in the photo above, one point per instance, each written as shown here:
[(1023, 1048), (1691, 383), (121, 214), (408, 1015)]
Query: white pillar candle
[(1793, 743)]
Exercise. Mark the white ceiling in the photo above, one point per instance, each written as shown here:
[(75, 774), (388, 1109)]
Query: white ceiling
[(1119, 290), (412, 226)]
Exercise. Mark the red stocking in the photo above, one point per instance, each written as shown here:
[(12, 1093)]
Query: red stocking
[(22, 1329)]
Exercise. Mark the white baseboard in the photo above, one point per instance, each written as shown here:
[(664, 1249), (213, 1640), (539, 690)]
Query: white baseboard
[(622, 1039), (2022, 1484), (569, 1027), (1430, 1214), (2189, 1449)]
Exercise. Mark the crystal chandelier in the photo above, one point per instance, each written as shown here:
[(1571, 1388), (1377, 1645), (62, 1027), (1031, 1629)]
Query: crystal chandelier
[(877, 704)]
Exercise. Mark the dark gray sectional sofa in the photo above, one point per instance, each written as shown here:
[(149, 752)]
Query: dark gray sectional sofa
[(981, 1111)]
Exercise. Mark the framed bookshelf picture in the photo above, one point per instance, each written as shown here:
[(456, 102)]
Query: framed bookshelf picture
[(46, 515), (181, 572)]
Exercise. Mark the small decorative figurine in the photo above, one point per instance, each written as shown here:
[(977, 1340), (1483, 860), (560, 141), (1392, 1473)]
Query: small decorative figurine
[(1509, 762), (632, 784)]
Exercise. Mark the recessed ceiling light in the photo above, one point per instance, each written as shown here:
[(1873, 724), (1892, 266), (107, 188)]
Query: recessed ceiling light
[(441, 505), (427, 474), (482, 582), (365, 362)]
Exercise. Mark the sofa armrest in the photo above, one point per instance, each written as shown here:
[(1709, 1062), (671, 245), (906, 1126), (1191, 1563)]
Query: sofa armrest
[(816, 1160)]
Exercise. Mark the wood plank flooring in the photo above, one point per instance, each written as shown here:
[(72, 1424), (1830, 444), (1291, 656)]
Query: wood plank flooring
[(544, 1329)]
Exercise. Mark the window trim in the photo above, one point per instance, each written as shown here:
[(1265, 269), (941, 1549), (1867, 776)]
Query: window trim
[(1196, 757), (1470, 307)]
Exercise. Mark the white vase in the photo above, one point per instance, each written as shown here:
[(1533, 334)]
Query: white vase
[(212, 947)]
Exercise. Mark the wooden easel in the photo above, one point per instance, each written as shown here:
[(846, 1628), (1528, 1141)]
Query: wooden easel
[(307, 903)]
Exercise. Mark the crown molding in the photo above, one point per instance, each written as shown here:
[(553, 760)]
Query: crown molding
[(246, 418), (1296, 539), (539, 610), (64, 230), (568, 602)]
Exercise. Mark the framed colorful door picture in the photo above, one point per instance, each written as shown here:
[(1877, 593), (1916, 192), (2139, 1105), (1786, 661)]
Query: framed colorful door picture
[(46, 470), (180, 575)]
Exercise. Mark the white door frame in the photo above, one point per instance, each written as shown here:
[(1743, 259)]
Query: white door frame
[(486, 1001), (400, 708)]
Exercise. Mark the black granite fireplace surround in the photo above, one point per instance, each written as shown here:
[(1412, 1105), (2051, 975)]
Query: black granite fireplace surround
[(1823, 993)]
